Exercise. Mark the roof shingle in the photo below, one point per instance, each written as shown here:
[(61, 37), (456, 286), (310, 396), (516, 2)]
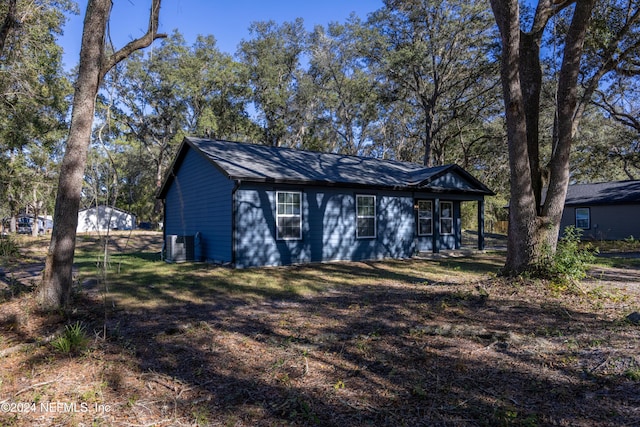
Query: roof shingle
[(261, 163), (618, 192)]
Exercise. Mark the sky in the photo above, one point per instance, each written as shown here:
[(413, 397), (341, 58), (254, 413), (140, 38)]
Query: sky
[(227, 20)]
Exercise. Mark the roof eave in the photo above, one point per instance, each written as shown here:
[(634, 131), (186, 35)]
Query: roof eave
[(336, 184)]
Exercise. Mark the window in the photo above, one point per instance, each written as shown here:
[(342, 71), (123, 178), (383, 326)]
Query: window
[(288, 215), (425, 217), (446, 218), (365, 216), (583, 218)]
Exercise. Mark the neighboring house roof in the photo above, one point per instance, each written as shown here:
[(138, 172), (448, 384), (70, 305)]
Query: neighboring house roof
[(261, 163), (603, 193)]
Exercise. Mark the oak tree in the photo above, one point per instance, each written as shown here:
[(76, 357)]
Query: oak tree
[(94, 63), (534, 221)]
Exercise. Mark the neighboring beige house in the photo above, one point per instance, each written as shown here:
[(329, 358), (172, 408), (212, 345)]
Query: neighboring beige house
[(103, 218), (604, 211)]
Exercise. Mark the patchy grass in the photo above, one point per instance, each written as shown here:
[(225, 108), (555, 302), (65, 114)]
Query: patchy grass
[(414, 342), (630, 244)]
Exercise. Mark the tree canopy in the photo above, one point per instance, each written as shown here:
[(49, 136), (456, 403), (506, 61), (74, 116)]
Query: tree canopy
[(414, 80)]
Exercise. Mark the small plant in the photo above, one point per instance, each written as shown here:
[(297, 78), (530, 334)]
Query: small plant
[(8, 247), (132, 400), (633, 373), (74, 339), (570, 262), (200, 416), (419, 391), (304, 410)]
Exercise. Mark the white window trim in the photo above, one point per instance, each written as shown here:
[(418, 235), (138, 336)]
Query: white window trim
[(375, 219), (278, 216), (453, 230), (588, 218), (430, 233)]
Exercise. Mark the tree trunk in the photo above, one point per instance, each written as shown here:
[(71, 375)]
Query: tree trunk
[(56, 286), (9, 23), (58, 270), (531, 80), (428, 137), (566, 105), (523, 223), (533, 230)]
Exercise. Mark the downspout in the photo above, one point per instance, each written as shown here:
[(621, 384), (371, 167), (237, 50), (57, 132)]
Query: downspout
[(234, 212), (414, 211)]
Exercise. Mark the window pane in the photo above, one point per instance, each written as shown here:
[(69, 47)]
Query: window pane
[(288, 227), (366, 227), (446, 210), (366, 205), (446, 218), (365, 216), (446, 226), (288, 212), (424, 210), (424, 226), (582, 218), (425, 215)]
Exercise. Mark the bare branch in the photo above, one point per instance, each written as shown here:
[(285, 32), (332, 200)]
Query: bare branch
[(137, 44)]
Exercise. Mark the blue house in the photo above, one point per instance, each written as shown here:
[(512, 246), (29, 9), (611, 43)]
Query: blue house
[(253, 205), (603, 210)]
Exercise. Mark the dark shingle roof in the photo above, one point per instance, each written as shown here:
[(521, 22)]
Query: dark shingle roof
[(261, 163), (619, 192)]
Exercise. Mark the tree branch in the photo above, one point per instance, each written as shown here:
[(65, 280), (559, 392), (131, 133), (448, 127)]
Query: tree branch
[(10, 22), (137, 44)]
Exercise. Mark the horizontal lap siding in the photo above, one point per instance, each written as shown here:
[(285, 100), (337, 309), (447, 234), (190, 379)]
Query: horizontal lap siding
[(328, 227), (613, 222), (445, 241), (332, 229), (256, 239), (396, 226), (199, 200)]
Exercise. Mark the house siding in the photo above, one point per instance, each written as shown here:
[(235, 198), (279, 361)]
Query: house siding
[(445, 241), (328, 227), (199, 200), (451, 180), (607, 222), (225, 193)]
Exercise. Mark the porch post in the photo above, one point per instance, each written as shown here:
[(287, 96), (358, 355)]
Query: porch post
[(436, 225), (481, 224)]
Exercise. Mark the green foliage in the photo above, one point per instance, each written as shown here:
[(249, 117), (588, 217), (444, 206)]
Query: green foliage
[(33, 104), (572, 259), (570, 262), (272, 59), (8, 247), (633, 373), (74, 339)]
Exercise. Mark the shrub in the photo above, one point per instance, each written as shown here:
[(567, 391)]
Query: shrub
[(73, 340), (8, 247), (571, 260)]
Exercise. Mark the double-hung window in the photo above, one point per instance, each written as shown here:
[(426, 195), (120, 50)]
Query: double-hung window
[(288, 215), (446, 217), (425, 217), (583, 218), (365, 216)]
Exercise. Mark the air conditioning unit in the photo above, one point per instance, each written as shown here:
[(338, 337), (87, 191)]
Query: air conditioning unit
[(179, 248)]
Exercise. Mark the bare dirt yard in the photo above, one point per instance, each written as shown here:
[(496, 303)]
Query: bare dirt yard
[(436, 341)]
